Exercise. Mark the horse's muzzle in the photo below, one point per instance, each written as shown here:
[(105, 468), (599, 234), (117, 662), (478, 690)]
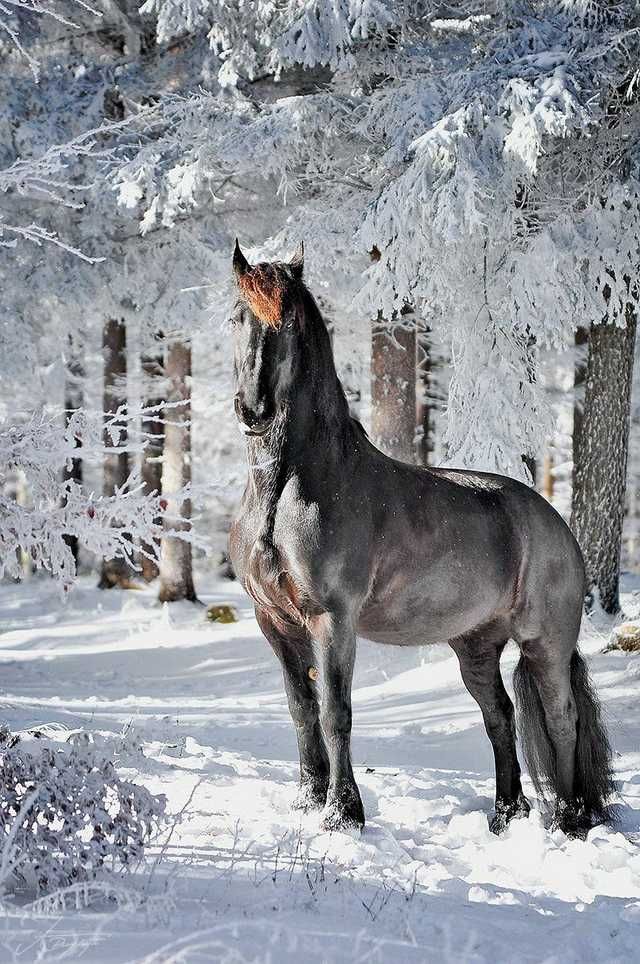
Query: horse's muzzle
[(256, 431), (251, 424)]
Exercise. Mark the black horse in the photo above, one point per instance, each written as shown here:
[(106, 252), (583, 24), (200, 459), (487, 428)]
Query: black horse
[(333, 539)]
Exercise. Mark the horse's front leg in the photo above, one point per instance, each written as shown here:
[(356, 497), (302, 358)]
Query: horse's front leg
[(336, 648), (294, 649)]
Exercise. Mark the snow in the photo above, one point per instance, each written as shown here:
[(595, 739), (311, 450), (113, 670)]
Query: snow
[(241, 877)]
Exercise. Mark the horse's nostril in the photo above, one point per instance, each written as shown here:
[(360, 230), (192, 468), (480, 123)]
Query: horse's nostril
[(244, 414)]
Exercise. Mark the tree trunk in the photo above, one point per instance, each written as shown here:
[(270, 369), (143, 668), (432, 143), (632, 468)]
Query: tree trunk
[(425, 428), (393, 391), (152, 369), (23, 558), (581, 345), (600, 471), (532, 466), (73, 399), (176, 571), (115, 572), (547, 476)]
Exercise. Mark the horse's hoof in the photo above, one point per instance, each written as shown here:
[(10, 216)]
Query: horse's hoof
[(506, 812), (343, 814), (572, 823), (340, 820), (310, 796), (572, 829)]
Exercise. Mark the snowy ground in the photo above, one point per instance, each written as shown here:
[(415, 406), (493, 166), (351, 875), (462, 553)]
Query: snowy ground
[(242, 878)]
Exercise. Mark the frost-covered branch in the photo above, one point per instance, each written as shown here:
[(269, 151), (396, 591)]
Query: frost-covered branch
[(58, 177), (10, 11), (117, 526)]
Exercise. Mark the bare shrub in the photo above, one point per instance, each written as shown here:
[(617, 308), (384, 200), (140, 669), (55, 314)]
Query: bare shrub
[(65, 814)]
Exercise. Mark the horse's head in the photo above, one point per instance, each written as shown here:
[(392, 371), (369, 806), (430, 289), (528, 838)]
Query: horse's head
[(265, 331)]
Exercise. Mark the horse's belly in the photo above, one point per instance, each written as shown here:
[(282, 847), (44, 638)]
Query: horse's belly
[(393, 637), (415, 631), (423, 614)]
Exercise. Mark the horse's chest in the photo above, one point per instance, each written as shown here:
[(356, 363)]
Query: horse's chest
[(272, 554)]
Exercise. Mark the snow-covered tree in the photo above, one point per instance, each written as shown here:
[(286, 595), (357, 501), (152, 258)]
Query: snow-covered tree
[(485, 150), (115, 572), (69, 262), (463, 142)]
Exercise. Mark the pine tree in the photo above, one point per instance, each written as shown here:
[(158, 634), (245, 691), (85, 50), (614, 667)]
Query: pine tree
[(464, 147), (581, 348), (70, 259)]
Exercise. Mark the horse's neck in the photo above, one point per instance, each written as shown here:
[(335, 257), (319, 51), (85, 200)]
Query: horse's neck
[(266, 464), (315, 422)]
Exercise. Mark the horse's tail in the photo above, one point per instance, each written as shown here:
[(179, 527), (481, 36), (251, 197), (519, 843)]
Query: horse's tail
[(593, 779)]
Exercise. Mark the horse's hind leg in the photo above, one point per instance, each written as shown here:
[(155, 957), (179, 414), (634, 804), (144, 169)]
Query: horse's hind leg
[(549, 730), (294, 649), (479, 659)]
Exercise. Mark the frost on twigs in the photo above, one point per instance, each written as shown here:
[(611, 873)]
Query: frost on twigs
[(64, 175), (66, 817), (109, 526), (10, 21)]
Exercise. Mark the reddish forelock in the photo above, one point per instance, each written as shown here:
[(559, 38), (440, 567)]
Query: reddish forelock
[(262, 287)]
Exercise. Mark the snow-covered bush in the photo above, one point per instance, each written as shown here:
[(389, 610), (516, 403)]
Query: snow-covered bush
[(65, 814)]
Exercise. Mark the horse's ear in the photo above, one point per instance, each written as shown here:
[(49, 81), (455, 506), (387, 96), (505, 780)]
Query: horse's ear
[(240, 263), (297, 262)]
